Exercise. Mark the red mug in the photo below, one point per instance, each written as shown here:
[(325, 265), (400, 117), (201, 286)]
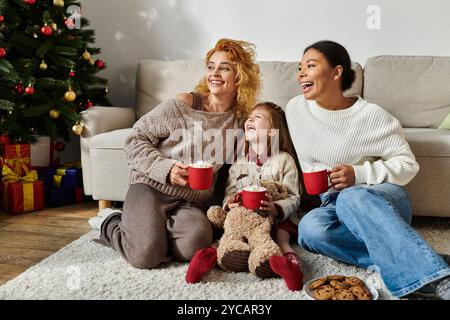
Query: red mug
[(316, 182), (251, 199), (200, 178)]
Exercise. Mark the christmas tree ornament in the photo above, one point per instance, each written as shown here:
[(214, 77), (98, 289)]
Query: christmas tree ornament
[(100, 64), (4, 139), (2, 18), (106, 89), (78, 128), (71, 73), (19, 88), (29, 90), (54, 26), (91, 62), (86, 55), (2, 52), (70, 95), (54, 114), (60, 146), (43, 66), (46, 30), (88, 104), (58, 3), (35, 35), (30, 2)]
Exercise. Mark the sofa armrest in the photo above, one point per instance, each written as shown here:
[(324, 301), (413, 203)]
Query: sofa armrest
[(98, 120)]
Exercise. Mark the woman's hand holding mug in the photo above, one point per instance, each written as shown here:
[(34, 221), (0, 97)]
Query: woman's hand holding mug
[(342, 177), (179, 174)]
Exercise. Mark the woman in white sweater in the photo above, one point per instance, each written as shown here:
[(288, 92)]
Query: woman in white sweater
[(365, 216)]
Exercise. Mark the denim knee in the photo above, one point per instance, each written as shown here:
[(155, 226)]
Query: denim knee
[(353, 196), (365, 197)]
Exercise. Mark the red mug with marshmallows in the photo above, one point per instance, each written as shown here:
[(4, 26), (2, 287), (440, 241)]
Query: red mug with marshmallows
[(251, 199), (316, 182), (200, 178)]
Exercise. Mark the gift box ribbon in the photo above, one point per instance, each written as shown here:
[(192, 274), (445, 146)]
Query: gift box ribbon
[(61, 171), (10, 176), (18, 163)]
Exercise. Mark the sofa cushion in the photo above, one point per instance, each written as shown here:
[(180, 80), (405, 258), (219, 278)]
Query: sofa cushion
[(159, 80), (428, 142), (414, 89), (110, 140)]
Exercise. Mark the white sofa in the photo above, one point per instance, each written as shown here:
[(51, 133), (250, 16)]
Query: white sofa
[(413, 89)]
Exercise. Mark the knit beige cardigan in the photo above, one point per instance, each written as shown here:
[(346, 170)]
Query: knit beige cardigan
[(155, 137), (280, 168)]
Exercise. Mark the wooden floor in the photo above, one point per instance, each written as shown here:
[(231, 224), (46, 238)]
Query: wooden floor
[(28, 238)]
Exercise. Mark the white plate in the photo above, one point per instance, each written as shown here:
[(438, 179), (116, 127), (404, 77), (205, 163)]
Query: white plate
[(308, 291)]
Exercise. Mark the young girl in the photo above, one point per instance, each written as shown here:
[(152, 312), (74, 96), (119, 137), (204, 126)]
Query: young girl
[(264, 126)]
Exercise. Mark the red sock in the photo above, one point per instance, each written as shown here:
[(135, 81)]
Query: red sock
[(288, 270), (202, 261)]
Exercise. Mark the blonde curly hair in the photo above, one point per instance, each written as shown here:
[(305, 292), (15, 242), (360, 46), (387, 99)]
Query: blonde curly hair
[(243, 55)]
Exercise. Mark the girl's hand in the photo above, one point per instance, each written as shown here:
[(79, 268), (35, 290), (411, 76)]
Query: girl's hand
[(178, 174), (342, 177), (269, 207), (230, 204)]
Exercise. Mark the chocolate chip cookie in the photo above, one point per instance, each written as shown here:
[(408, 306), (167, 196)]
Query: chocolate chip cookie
[(325, 292)]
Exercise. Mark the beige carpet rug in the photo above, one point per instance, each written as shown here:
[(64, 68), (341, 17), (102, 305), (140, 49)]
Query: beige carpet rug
[(87, 270)]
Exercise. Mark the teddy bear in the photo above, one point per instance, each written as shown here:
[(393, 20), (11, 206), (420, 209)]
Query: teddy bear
[(246, 243)]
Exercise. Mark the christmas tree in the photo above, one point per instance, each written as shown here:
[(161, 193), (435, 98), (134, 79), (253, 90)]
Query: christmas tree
[(47, 71)]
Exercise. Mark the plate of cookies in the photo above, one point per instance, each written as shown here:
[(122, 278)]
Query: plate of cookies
[(338, 287)]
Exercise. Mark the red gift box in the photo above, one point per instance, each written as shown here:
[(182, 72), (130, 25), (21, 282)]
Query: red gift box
[(17, 157), (21, 194)]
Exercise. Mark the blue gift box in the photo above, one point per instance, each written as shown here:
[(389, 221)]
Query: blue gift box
[(56, 197), (63, 178)]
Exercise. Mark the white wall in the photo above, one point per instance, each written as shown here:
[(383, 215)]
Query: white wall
[(132, 30)]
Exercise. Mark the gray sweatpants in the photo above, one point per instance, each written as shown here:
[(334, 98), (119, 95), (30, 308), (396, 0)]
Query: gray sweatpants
[(155, 227)]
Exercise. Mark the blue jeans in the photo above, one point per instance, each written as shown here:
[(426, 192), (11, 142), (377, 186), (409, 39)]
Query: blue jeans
[(370, 226)]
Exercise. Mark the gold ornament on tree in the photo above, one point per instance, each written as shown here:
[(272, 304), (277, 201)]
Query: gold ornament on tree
[(54, 26), (43, 66), (78, 128), (70, 95), (54, 114), (86, 55), (58, 3), (106, 89)]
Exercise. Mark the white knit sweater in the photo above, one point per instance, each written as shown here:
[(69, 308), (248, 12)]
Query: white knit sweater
[(364, 136)]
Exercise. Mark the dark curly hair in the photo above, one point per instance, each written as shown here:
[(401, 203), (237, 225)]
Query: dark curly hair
[(336, 55)]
